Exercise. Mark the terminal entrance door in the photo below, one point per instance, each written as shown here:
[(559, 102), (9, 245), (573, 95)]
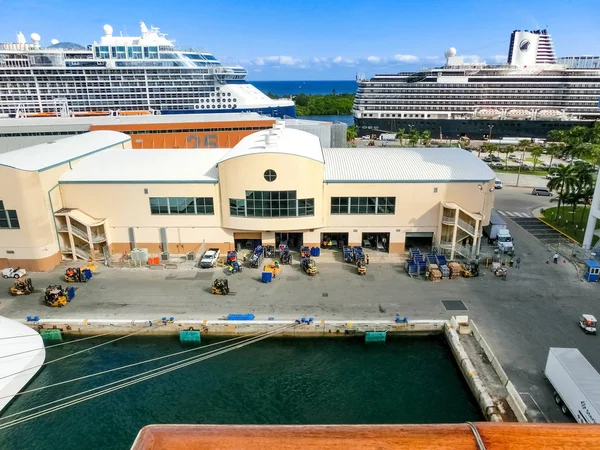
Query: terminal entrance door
[(292, 240), (422, 241), (376, 241), (334, 240), (247, 241)]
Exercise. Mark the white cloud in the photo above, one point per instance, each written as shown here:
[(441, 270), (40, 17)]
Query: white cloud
[(259, 62), (374, 59), (288, 61), (406, 58), (499, 58), (318, 60), (471, 58), (337, 59)]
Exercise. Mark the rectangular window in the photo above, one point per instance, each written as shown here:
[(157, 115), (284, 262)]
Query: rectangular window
[(306, 207), (272, 204), (363, 205), (339, 205), (237, 207), (181, 205), (386, 205), (8, 217)]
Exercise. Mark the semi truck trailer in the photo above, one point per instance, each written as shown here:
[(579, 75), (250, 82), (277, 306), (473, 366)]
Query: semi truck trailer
[(576, 384)]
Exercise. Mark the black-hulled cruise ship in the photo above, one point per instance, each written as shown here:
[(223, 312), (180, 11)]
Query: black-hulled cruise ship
[(530, 95), (145, 73)]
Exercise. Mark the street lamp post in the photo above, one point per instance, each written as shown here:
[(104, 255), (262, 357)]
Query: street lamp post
[(490, 135), (520, 165), (480, 233)]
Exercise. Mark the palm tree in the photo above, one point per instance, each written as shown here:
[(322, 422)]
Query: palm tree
[(557, 135), (487, 147), (553, 149), (508, 149), (400, 135), (426, 137), (413, 137), (565, 177), (536, 152), (351, 133)]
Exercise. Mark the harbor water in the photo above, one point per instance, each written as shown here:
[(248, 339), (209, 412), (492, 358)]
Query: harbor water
[(275, 381)]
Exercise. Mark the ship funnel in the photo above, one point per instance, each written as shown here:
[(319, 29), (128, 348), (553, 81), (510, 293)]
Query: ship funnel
[(21, 38), (143, 29)]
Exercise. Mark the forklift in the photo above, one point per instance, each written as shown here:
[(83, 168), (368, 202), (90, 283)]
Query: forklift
[(75, 275), (361, 267), (56, 296), (220, 287), (22, 286)]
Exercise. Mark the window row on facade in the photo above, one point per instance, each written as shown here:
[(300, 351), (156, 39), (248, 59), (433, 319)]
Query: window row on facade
[(272, 204), (363, 205), (182, 205), (8, 217)]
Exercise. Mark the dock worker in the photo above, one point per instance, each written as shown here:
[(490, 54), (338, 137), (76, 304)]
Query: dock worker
[(555, 258)]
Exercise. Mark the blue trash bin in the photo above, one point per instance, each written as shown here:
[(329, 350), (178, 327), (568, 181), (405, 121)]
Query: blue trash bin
[(70, 293), (317, 251), (267, 277), (87, 273)]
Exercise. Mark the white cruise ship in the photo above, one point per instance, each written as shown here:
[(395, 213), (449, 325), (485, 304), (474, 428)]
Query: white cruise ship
[(122, 74), (526, 97)]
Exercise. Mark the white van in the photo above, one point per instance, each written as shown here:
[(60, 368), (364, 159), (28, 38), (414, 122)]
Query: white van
[(498, 184)]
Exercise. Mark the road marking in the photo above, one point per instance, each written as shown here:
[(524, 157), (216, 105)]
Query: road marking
[(536, 404), (509, 214), (502, 212)]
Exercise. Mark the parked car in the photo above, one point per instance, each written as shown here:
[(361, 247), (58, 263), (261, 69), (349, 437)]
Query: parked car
[(13, 273), (210, 258), (498, 184), (543, 165), (513, 157), (551, 176), (496, 159), (488, 159), (541, 191)]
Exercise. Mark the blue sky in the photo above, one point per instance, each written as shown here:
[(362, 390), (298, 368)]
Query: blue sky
[(318, 40)]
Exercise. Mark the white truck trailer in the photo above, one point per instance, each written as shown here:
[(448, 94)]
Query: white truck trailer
[(576, 384), (496, 224)]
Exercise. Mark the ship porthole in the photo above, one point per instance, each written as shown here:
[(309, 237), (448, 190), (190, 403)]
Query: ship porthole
[(196, 106)]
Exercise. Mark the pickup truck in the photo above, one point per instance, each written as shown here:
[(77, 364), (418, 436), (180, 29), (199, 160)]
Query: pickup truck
[(210, 258)]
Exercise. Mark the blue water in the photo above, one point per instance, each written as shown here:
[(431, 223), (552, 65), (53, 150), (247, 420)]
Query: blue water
[(278, 381), (348, 120), (282, 88)]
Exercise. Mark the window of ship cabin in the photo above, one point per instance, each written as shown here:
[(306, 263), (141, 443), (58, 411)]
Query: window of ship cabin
[(134, 52), (102, 52)]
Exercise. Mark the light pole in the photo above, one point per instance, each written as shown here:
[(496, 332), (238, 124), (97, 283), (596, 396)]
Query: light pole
[(480, 231), (520, 165), (490, 135)]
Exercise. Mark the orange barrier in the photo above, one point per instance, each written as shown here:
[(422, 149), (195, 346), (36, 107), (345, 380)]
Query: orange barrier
[(495, 436)]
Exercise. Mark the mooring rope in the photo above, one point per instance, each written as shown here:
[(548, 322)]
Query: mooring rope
[(137, 379)]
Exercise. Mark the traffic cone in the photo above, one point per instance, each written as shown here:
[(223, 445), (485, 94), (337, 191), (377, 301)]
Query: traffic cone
[(547, 261), (564, 261)]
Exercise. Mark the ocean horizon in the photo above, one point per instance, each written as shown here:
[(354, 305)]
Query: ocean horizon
[(309, 87)]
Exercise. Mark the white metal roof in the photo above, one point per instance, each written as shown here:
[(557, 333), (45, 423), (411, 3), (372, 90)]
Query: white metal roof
[(51, 154), (148, 166), (17, 124), (397, 165), (279, 140)]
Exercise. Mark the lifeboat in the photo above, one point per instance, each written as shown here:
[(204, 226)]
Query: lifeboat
[(488, 113), (89, 114), (40, 114), (518, 113), (134, 113), (550, 114)]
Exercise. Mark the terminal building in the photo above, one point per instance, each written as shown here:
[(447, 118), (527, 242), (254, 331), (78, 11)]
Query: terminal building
[(93, 196), (219, 130)]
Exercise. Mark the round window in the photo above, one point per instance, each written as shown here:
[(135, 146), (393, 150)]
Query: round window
[(270, 175), (229, 94)]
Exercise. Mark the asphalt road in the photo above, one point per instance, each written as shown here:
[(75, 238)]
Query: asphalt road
[(535, 308)]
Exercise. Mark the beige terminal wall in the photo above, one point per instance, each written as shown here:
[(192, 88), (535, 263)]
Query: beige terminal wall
[(34, 246), (417, 208), (246, 173), (127, 205)]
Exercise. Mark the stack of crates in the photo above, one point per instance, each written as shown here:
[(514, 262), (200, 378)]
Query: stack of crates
[(441, 260), (348, 255), (455, 269), (435, 274), (417, 259), (358, 253), (445, 271)]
